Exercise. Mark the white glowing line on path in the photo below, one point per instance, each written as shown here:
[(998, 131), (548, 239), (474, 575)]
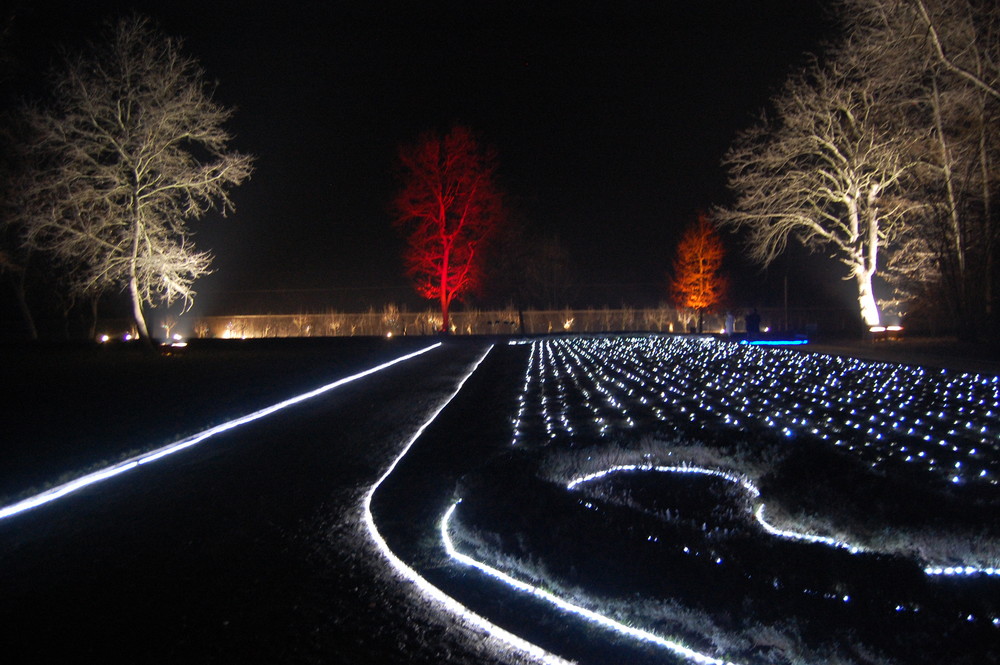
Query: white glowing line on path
[(719, 473), (931, 570), (954, 571), (567, 606), (798, 535), (97, 476), (751, 489), (428, 589)]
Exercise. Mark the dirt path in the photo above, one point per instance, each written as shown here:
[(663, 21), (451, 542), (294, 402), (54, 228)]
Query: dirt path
[(243, 551)]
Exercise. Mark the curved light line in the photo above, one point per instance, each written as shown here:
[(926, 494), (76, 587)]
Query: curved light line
[(719, 473), (127, 465), (631, 631), (590, 615), (745, 483), (428, 589), (931, 570)]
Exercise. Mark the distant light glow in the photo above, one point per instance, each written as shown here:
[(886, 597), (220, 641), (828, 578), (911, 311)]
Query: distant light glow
[(774, 342), (98, 476)]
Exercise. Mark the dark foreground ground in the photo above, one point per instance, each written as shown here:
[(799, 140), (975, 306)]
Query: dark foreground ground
[(250, 547), (943, 352), (247, 549)]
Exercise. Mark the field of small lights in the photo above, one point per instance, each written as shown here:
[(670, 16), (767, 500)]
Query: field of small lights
[(721, 502)]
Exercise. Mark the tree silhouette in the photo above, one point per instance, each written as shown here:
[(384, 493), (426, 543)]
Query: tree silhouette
[(449, 207), (697, 281)]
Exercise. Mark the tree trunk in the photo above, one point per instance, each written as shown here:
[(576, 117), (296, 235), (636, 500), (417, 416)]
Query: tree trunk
[(989, 241), (955, 226), (17, 280), (445, 296), (445, 327), (92, 330), (866, 298), (137, 315)]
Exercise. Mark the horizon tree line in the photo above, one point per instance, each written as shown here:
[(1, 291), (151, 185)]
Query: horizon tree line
[(880, 154)]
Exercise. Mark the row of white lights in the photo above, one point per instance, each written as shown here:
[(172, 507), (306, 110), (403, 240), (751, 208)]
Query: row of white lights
[(425, 587), (574, 370), (541, 374), (677, 647), (90, 479), (643, 635), (617, 379), (945, 423)]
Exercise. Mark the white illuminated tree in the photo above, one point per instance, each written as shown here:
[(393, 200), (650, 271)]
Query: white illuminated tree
[(129, 151), (825, 172), (935, 64)]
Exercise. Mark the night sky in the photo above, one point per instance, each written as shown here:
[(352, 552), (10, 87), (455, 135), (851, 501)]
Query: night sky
[(609, 119)]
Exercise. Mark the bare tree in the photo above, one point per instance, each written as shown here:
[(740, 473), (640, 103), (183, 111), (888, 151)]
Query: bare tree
[(971, 57), (936, 67), (824, 172), (449, 206), (131, 148)]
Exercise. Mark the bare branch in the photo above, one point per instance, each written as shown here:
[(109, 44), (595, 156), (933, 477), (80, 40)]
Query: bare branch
[(131, 151)]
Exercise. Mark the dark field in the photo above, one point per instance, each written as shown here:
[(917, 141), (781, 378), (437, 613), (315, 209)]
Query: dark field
[(72, 407), (251, 547), (248, 548)]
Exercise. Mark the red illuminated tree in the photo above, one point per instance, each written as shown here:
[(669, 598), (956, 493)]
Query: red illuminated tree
[(449, 207), (697, 281)]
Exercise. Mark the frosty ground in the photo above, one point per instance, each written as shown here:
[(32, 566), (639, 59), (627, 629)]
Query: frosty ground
[(251, 547), (248, 549)]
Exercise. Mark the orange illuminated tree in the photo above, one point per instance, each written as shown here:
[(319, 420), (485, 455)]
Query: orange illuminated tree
[(698, 282), (449, 207)]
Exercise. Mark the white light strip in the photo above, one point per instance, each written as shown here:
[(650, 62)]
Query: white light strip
[(590, 615), (718, 473), (805, 537), (97, 476), (750, 488), (930, 570), (955, 571), (428, 589)]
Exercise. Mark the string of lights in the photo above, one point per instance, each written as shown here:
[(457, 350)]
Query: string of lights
[(428, 590), (96, 477), (583, 389), (566, 606), (944, 423)]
